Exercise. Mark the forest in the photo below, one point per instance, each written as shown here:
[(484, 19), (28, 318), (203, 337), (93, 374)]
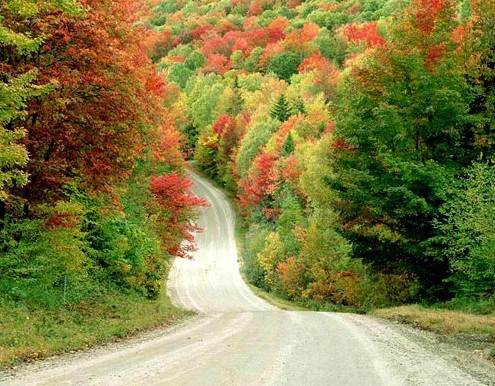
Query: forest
[(94, 200), (356, 135)]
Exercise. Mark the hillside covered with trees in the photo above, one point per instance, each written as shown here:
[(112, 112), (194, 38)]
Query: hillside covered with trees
[(358, 136)]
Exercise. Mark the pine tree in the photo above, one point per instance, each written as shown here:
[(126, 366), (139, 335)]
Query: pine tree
[(281, 110), (288, 146), (237, 104), (299, 107)]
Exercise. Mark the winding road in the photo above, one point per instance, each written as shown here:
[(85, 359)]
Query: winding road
[(239, 339)]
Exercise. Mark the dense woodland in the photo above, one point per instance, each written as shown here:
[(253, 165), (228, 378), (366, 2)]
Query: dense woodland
[(357, 135), (93, 195)]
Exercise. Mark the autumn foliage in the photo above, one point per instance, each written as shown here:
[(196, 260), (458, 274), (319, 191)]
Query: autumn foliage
[(367, 33), (343, 128), (349, 131), (171, 193), (87, 136)]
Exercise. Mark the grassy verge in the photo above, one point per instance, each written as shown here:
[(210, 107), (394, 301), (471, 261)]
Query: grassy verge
[(439, 320), (470, 331), (28, 333), (273, 299)]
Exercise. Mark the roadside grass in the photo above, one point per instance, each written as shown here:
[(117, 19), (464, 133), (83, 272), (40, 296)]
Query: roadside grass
[(274, 300), (448, 322), (467, 330), (29, 334)]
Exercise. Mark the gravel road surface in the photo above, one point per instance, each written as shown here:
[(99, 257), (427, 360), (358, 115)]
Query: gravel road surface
[(239, 339)]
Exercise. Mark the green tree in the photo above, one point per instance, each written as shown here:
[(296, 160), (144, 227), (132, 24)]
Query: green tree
[(237, 102), (206, 151), (231, 101), (195, 60), (237, 59), (284, 65), (15, 91), (281, 109), (329, 20), (288, 146), (269, 257), (251, 62), (203, 94), (258, 134), (180, 74), (299, 107), (468, 233), (398, 130), (291, 216), (332, 46), (12, 158)]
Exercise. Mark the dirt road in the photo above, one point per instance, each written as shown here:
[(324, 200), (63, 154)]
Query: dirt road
[(238, 339)]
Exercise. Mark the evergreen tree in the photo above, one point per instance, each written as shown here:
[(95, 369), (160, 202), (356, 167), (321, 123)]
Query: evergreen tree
[(299, 107), (237, 103), (288, 146), (281, 110)]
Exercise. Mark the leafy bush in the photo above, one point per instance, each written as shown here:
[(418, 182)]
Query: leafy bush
[(42, 254), (270, 257)]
